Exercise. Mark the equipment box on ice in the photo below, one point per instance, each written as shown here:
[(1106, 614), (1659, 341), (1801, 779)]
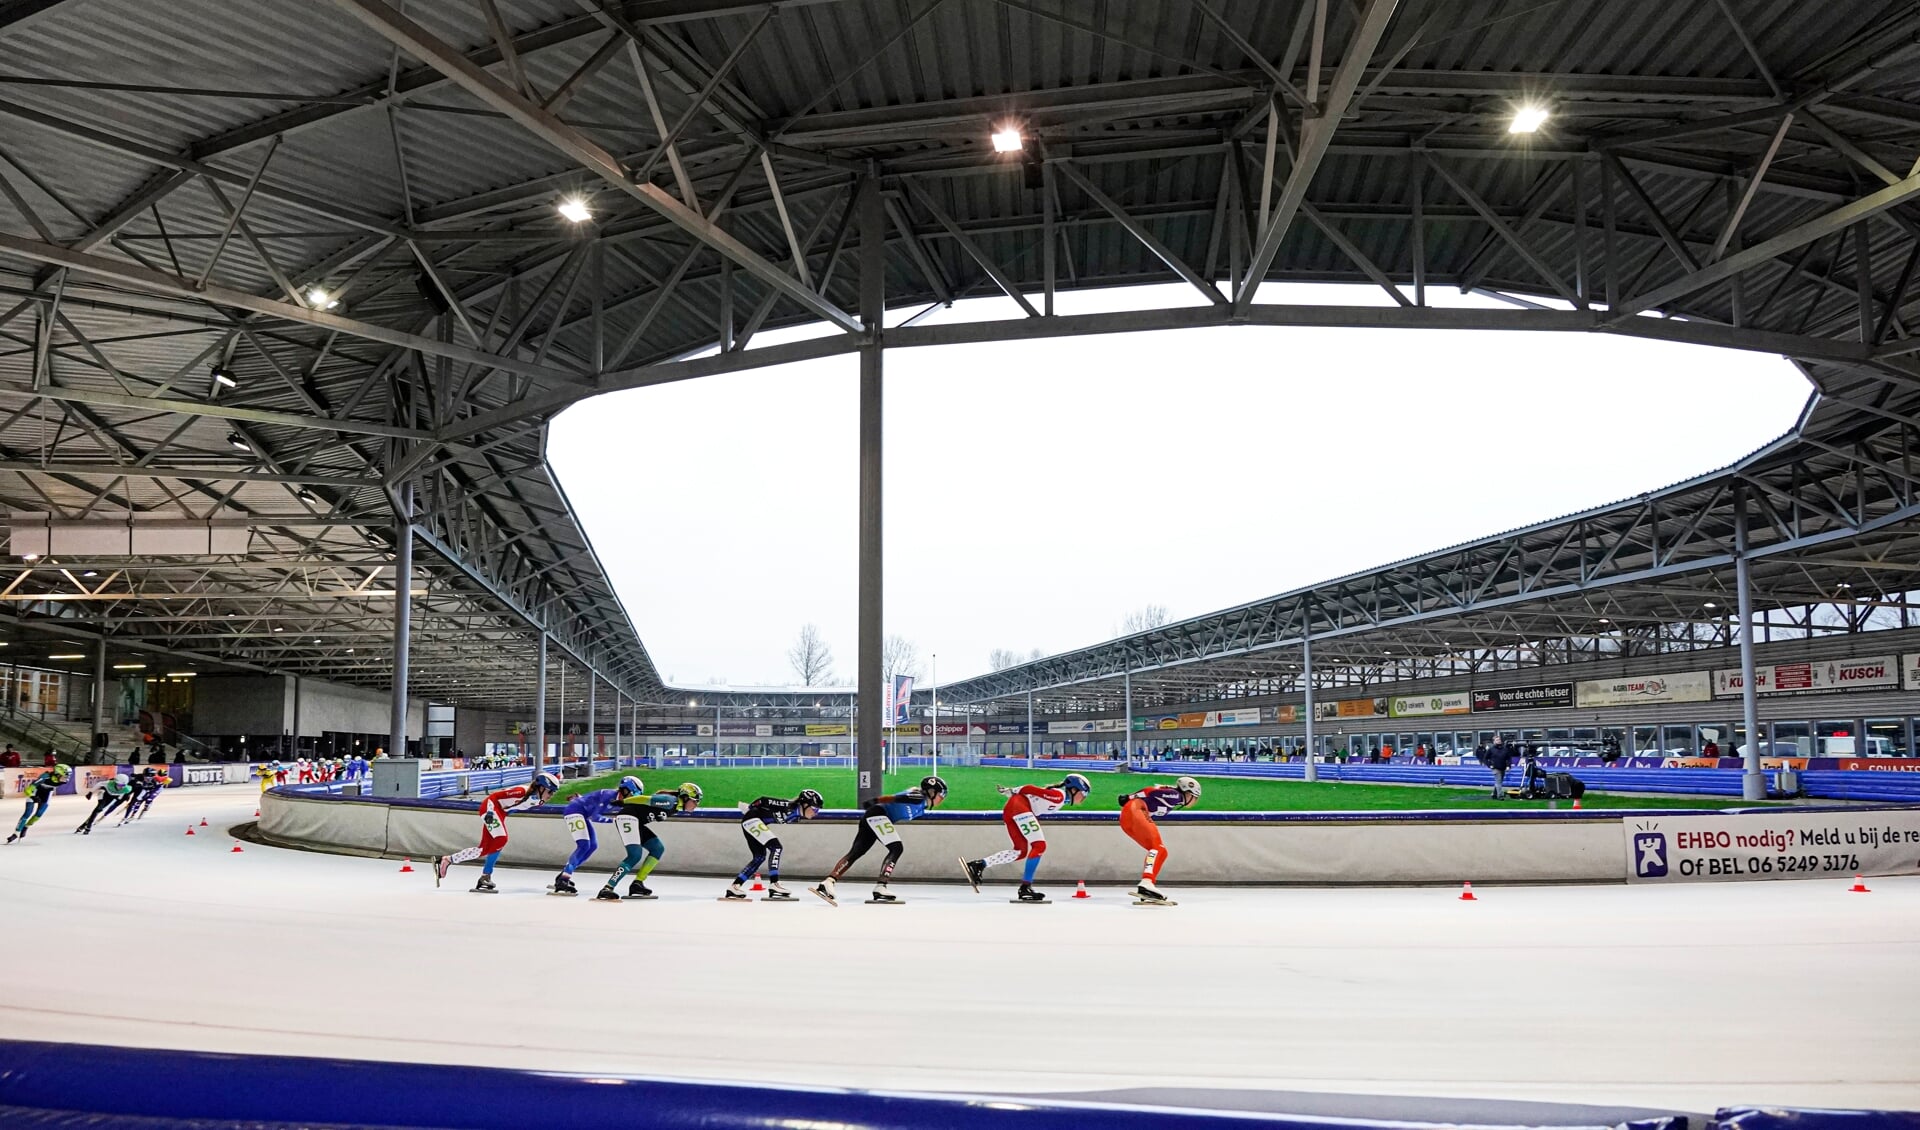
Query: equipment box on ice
[(394, 776)]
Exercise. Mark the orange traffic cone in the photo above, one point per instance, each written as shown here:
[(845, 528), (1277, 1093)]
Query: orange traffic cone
[(189, 829), (1859, 886), (236, 848), (1576, 806), (1080, 892), (203, 821), (757, 884), (406, 865), (256, 812), (1466, 893)]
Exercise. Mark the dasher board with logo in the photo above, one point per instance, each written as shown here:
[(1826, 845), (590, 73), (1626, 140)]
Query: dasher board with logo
[(1772, 845)]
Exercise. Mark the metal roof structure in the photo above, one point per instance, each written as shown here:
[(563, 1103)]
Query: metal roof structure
[(348, 208)]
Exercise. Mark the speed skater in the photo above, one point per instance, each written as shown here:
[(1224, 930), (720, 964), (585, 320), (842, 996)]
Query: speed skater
[(1137, 813), (756, 824), (877, 820), (493, 828), (644, 849), (39, 793), (582, 813), (112, 792), (1024, 808)]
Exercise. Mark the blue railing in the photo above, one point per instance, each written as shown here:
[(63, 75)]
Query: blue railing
[(63, 1085)]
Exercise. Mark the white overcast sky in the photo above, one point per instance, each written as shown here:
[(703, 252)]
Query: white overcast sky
[(1038, 491)]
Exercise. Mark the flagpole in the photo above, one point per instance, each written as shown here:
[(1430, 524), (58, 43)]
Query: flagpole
[(936, 714)]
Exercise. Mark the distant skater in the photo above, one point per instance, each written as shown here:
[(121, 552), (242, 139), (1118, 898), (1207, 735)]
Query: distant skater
[(1024, 808), (757, 824), (877, 822), (493, 828), (1138, 811)]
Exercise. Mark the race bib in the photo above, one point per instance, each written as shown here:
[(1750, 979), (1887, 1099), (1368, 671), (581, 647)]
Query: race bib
[(756, 827), (628, 827), (577, 824), (490, 820), (1029, 825)]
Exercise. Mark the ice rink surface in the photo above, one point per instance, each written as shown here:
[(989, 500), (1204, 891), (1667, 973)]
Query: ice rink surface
[(1789, 993)]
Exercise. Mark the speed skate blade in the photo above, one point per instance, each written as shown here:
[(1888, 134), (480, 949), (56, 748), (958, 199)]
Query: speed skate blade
[(1031, 902), (824, 896), (968, 872), (1155, 902), (780, 898), (563, 894), (639, 898), (886, 902)]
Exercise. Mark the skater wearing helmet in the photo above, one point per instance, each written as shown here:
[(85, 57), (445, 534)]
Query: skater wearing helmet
[(1137, 813), (493, 828), (112, 792), (756, 824), (145, 786), (38, 795), (1025, 806), (582, 813), (644, 849), (877, 822)]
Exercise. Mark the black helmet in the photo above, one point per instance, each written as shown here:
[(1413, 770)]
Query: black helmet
[(809, 798), (931, 787)]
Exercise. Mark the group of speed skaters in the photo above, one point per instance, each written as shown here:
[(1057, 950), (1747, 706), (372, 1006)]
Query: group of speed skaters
[(632, 811)]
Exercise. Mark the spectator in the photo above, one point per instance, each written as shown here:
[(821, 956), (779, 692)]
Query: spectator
[(1497, 758), (49, 761), (1711, 749), (11, 758)]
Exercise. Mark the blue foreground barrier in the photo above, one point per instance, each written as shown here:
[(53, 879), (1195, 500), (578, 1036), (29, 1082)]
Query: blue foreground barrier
[(71, 1086)]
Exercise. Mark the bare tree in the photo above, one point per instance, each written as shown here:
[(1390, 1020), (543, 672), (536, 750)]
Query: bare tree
[(1001, 658), (1036, 655), (811, 658), (1143, 618), (898, 656)]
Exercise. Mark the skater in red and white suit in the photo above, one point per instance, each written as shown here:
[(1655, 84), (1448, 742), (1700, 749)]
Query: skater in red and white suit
[(493, 828), (1025, 806)]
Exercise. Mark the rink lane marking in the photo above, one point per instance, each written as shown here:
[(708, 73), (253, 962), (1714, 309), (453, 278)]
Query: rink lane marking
[(573, 1058), (248, 912)]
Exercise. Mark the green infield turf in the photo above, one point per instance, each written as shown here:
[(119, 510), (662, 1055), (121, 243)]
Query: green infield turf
[(973, 789)]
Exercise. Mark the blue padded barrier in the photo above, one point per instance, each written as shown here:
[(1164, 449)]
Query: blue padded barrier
[(1779, 1118), (76, 1086)]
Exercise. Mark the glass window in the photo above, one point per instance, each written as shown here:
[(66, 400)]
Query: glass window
[(1887, 737), (1838, 738), (1796, 734), (1676, 739), (1646, 739)]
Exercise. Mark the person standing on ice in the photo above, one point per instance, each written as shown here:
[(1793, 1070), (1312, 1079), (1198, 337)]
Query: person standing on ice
[(756, 824), (112, 792), (644, 849), (583, 812), (38, 795), (1024, 808), (1137, 813), (877, 822), (493, 828)]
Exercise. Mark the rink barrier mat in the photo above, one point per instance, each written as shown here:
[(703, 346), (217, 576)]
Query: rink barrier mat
[(44, 1085), (1372, 848)]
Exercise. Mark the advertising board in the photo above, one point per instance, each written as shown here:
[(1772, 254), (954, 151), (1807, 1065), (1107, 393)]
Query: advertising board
[(1686, 686), (1722, 847), (1542, 696), (1826, 675), (1431, 705)]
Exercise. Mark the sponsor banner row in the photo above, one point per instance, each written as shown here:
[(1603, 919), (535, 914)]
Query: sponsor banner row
[(1543, 696), (1752, 845), (1431, 705), (1829, 675), (1684, 686)]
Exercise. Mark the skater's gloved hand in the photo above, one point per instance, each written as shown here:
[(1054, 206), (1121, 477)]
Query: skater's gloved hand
[(1005, 791)]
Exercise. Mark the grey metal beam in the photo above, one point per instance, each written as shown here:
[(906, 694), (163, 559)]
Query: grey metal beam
[(1316, 134), (477, 81), (994, 271), (1139, 231)]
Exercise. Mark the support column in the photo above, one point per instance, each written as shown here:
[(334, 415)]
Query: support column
[(1126, 692), (1753, 781), (295, 751), (1029, 727), (99, 699), (402, 618), (593, 687), (560, 752), (1306, 682), (869, 716), (540, 706)]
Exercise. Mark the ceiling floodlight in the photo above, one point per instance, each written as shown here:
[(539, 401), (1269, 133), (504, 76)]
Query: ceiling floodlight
[(319, 299), (224, 377), (574, 210), (1528, 119), (1007, 139), (181, 674), (29, 557), (129, 667), (66, 657), (1710, 606), (239, 442)]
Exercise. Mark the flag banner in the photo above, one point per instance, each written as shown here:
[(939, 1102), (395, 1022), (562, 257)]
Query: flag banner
[(901, 695)]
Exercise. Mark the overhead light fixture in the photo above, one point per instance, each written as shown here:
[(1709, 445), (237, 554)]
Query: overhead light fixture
[(1528, 119), (129, 667), (224, 377), (574, 210), (1604, 620), (1710, 606), (239, 442), (1007, 139), (279, 629), (1843, 586), (73, 656), (319, 299), (181, 674), (29, 557), (92, 573)]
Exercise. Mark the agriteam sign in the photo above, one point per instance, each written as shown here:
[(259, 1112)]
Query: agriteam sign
[(1687, 686)]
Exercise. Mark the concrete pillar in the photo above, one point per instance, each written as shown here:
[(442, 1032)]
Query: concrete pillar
[(402, 619), (869, 716)]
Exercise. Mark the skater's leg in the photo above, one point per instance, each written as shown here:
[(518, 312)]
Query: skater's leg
[(486, 865), (654, 851), (629, 865), (864, 838), (584, 841), (1135, 822), (1035, 850), (467, 853), (895, 850), (758, 851), (773, 859)]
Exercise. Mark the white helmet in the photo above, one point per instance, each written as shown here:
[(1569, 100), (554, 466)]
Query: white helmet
[(1188, 786), (120, 779)]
